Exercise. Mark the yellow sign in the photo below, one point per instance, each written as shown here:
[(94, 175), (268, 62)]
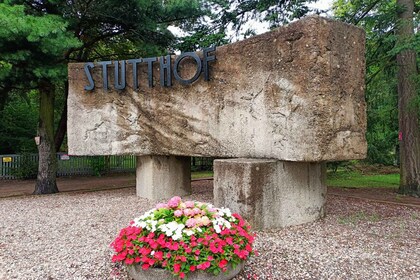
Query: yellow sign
[(7, 159)]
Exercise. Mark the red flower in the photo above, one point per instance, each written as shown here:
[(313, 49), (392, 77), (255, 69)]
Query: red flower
[(145, 266), (223, 263), (177, 267), (192, 268), (158, 255)]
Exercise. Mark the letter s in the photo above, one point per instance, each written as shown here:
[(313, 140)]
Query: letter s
[(88, 66)]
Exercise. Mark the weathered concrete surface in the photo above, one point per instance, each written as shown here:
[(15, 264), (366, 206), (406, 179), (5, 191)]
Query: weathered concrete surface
[(162, 177), (137, 273), (295, 94), (270, 193)]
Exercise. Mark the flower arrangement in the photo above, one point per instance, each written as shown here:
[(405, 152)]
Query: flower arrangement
[(183, 237)]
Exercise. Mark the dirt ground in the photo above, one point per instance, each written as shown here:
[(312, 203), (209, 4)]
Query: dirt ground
[(9, 188)]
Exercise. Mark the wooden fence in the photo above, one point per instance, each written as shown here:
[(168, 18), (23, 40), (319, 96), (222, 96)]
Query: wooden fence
[(26, 165)]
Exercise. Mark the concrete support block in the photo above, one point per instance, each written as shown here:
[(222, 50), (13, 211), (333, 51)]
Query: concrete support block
[(269, 193), (162, 177)]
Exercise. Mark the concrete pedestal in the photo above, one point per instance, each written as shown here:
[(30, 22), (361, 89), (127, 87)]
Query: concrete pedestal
[(270, 193), (162, 177)]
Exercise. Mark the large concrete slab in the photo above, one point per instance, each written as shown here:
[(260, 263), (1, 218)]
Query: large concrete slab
[(271, 194), (295, 94)]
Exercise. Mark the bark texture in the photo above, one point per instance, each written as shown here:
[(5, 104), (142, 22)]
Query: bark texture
[(47, 168), (408, 110), (62, 125)]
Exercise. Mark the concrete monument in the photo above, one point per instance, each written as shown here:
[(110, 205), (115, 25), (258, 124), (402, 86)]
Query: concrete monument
[(284, 102)]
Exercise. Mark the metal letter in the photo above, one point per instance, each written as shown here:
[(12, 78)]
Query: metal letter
[(135, 78), (165, 68), (150, 61), (117, 84), (206, 60), (197, 71), (88, 66), (105, 73)]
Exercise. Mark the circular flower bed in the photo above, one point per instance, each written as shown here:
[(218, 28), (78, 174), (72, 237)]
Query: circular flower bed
[(183, 237)]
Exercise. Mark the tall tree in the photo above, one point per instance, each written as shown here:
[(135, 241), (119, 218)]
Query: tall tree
[(409, 109), (38, 38), (392, 75), (31, 47)]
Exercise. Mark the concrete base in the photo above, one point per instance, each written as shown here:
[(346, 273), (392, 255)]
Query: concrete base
[(270, 193), (162, 177)]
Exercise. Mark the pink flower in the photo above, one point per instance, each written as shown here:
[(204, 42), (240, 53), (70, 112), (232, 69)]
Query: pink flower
[(191, 222), (189, 204), (174, 202), (196, 211), (161, 205), (178, 213), (188, 212)]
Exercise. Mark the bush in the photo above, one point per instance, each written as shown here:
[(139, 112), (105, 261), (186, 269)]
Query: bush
[(98, 165), (27, 168)]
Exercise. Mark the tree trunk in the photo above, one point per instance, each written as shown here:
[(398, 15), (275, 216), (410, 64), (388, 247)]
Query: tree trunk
[(47, 168), (62, 125), (408, 109)]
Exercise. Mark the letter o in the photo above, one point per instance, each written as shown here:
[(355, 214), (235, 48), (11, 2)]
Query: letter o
[(197, 71)]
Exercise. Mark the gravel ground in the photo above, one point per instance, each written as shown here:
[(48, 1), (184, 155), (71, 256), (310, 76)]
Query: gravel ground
[(67, 236)]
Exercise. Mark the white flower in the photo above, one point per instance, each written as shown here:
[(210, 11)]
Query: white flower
[(172, 229), (188, 232), (139, 223), (177, 236)]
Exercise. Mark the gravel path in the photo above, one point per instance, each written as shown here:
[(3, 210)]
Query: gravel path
[(67, 236)]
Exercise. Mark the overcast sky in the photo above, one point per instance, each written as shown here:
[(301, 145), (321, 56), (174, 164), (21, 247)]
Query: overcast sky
[(260, 27), (264, 27)]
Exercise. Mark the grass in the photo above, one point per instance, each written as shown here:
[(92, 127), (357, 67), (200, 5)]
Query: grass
[(201, 174), (354, 179), (342, 178)]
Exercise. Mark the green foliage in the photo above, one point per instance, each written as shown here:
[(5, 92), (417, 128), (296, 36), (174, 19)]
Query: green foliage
[(98, 165), (335, 165), (31, 47), (18, 122), (27, 168), (378, 19), (221, 16)]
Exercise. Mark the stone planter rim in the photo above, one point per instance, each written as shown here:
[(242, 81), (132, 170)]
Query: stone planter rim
[(137, 273)]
